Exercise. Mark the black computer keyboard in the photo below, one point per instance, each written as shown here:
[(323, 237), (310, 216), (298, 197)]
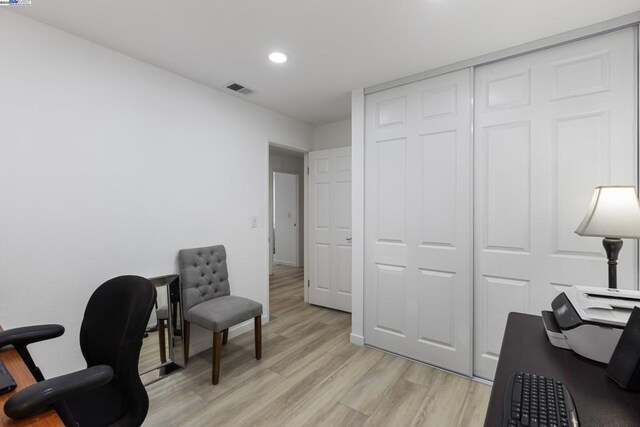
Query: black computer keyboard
[(534, 400), (7, 383)]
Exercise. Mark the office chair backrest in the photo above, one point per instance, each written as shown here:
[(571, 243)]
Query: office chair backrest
[(111, 334), (203, 275)]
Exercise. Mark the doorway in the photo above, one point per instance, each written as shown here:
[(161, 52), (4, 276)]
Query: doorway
[(286, 230), (286, 209), (322, 229)]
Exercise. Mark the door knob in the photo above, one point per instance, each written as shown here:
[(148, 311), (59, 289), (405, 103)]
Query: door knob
[(349, 239)]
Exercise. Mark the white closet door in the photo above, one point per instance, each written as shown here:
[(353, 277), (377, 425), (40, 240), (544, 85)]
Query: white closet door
[(418, 218), (330, 228), (549, 127)]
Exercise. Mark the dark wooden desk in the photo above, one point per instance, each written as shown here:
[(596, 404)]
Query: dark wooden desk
[(23, 379), (525, 347)]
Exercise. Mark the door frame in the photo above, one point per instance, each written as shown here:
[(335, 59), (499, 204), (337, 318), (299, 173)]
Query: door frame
[(297, 210), (358, 99), (269, 194)]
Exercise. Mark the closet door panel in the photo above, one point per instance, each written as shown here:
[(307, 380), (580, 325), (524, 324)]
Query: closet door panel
[(549, 127), (418, 221)]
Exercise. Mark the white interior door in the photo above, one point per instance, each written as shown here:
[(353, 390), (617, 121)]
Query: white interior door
[(330, 228), (549, 127), (418, 221), (285, 214)]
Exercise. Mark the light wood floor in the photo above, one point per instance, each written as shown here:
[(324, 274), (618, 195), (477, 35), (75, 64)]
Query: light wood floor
[(150, 352), (310, 375)]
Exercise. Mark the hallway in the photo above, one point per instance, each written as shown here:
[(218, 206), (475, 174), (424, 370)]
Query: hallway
[(285, 288)]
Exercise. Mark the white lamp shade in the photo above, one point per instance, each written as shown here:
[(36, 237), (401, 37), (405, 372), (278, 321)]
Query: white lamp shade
[(614, 212)]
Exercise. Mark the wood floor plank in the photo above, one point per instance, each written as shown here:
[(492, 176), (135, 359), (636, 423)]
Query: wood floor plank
[(366, 395), (475, 406), (444, 401), (298, 348), (302, 358), (221, 410), (341, 415), (270, 409), (420, 374), (302, 327), (333, 317), (341, 346), (400, 405), (330, 390), (173, 411)]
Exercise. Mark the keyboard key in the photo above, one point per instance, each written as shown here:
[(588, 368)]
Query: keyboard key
[(516, 394)]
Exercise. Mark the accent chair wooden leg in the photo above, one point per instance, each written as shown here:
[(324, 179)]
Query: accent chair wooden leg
[(217, 349), (225, 336), (161, 338), (185, 340), (257, 325)]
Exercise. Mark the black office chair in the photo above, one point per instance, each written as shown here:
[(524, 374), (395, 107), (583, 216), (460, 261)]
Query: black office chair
[(109, 392)]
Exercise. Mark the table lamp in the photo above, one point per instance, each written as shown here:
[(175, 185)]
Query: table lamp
[(614, 214)]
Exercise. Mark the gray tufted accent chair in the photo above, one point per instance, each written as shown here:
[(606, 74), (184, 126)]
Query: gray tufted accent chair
[(208, 303)]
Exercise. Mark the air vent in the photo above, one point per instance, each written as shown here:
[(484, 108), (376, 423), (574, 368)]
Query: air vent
[(236, 87)]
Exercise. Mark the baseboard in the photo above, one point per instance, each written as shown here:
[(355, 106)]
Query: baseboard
[(482, 381), (287, 263), (356, 339), (234, 331)]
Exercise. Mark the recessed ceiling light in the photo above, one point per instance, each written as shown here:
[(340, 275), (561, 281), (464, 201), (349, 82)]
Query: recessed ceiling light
[(278, 57)]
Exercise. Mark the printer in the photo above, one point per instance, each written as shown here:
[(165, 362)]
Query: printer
[(589, 320)]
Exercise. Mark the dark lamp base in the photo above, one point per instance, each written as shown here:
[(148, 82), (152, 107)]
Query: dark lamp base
[(612, 247)]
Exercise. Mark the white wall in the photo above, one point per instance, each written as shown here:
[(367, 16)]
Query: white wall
[(109, 166), (289, 162), (332, 135)]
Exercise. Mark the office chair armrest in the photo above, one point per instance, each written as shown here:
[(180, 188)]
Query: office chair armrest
[(20, 337), (39, 396)]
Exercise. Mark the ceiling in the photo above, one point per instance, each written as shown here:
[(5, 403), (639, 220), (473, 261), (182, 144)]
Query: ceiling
[(334, 46)]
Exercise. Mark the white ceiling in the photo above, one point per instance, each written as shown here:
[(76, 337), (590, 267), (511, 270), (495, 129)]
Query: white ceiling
[(334, 45)]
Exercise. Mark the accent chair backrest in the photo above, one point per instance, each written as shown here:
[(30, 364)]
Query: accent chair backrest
[(203, 275)]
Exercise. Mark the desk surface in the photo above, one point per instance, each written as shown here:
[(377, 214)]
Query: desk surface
[(23, 378), (525, 347)]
